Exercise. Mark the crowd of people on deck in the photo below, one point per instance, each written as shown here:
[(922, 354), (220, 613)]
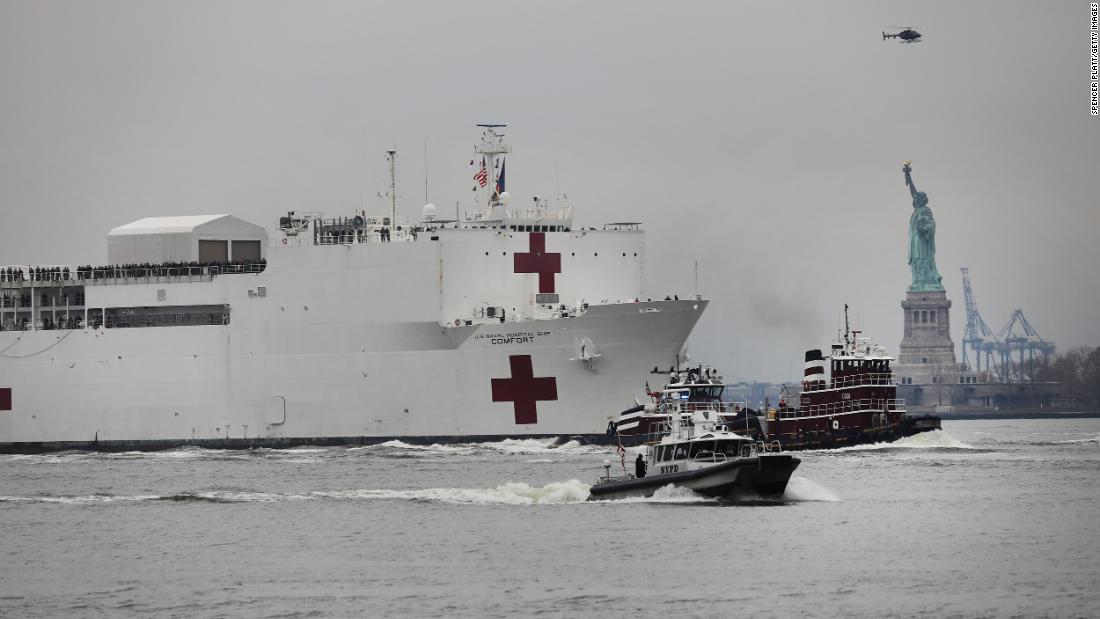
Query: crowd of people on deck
[(164, 269)]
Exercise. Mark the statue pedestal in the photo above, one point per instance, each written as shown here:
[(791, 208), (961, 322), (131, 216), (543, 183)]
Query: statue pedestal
[(927, 354)]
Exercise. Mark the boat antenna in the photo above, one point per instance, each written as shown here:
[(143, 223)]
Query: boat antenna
[(425, 170), (695, 287), (846, 325), (391, 155)]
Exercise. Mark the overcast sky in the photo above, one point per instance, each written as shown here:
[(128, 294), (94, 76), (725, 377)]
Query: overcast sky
[(762, 139)]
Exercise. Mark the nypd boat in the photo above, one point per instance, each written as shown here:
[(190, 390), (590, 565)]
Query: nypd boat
[(695, 449)]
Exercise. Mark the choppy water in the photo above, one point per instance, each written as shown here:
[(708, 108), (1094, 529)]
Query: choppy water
[(987, 518)]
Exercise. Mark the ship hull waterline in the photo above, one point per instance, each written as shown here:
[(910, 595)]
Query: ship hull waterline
[(217, 393)]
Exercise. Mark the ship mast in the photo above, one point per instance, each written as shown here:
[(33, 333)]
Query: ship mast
[(492, 146)]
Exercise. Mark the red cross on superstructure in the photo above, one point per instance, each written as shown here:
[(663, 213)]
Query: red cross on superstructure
[(523, 389), (536, 260)]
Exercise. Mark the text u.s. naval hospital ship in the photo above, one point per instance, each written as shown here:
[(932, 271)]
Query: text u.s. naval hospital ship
[(507, 322)]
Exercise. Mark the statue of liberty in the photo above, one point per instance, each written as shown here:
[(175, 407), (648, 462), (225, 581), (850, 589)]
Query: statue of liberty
[(922, 240)]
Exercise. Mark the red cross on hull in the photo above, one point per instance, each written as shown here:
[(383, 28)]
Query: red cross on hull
[(536, 260), (523, 390)]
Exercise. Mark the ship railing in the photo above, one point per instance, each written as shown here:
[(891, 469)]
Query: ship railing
[(875, 379), (847, 406), (715, 406), (658, 431), (158, 274), (137, 274)]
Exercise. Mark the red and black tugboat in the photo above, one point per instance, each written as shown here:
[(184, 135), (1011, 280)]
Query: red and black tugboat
[(847, 398)]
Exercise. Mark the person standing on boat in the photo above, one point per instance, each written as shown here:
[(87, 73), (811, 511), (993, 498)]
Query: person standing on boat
[(639, 467)]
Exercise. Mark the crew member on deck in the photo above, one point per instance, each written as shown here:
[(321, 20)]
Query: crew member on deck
[(639, 467)]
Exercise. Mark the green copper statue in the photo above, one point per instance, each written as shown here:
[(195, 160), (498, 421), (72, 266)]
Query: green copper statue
[(922, 240)]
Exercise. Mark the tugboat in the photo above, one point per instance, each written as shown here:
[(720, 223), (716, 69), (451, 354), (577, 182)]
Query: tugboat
[(856, 403), (693, 448)]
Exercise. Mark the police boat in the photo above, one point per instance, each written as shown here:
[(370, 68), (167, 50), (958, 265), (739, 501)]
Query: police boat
[(695, 449)]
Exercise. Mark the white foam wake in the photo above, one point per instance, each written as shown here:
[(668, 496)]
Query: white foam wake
[(555, 493), (434, 447), (668, 494), (936, 439), (510, 447), (1095, 438), (802, 489)]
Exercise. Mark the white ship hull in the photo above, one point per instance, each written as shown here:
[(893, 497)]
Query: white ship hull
[(510, 322), (94, 388)]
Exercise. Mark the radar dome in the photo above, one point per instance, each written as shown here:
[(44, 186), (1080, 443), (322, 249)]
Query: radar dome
[(429, 212), (505, 197)]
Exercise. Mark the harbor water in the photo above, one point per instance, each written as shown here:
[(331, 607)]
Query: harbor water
[(984, 518)]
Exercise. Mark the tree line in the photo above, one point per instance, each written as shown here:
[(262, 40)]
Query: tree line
[(1078, 370)]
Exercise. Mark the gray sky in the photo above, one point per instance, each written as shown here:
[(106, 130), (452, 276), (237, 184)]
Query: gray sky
[(763, 140)]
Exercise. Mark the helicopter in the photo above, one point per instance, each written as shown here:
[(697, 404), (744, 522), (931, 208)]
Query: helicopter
[(907, 35)]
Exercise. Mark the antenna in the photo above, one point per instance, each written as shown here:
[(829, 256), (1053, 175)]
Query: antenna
[(391, 155), (425, 170), (846, 343), (695, 288)]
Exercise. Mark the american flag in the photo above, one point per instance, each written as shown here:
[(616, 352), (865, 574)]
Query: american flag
[(482, 176), (622, 452)]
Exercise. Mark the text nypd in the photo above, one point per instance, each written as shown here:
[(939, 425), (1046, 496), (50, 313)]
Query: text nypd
[(521, 337)]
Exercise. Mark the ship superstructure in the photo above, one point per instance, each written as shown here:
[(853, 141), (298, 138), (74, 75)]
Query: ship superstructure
[(507, 321)]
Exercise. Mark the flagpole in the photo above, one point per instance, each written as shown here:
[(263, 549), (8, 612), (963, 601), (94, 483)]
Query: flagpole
[(392, 156)]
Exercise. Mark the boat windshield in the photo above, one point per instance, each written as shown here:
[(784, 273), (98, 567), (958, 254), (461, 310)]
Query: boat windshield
[(702, 450), (730, 449), (710, 392)]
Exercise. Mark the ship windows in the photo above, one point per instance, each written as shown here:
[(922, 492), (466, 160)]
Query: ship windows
[(165, 316)]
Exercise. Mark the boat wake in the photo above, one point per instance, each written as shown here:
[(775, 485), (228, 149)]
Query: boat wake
[(802, 489), (513, 493), (665, 494), (556, 493), (934, 440), (509, 447)]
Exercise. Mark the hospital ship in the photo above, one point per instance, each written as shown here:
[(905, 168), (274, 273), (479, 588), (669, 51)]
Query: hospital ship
[(507, 321)]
